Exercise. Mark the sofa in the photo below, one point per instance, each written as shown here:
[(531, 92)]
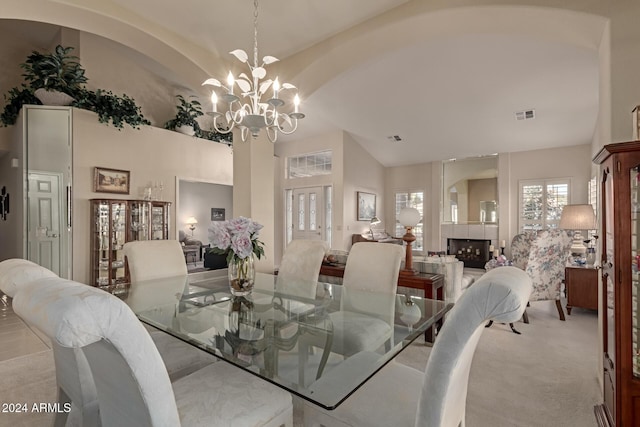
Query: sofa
[(190, 243), (381, 237), (214, 261)]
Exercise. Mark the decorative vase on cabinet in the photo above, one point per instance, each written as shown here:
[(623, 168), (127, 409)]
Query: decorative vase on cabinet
[(620, 228)]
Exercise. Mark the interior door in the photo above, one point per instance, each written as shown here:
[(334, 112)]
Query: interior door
[(44, 220), (308, 213)]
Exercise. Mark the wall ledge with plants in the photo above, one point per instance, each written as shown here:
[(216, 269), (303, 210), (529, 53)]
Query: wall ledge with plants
[(57, 78)]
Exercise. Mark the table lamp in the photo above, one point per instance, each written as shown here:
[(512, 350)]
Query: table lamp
[(578, 217), (409, 218), (192, 221), (374, 221)]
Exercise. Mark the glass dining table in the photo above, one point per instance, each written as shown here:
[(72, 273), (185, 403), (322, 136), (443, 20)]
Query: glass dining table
[(261, 333)]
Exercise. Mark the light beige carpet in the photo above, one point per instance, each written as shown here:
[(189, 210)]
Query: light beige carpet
[(546, 376)]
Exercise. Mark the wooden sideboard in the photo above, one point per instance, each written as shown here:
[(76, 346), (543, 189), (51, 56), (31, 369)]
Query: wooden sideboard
[(431, 284)]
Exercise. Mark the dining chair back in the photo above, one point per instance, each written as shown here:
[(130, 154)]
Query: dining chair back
[(153, 259), (132, 383), (373, 267), (302, 259), (73, 376), (15, 272), (301, 263)]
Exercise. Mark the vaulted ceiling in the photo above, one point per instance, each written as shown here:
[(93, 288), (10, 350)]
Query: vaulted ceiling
[(447, 82)]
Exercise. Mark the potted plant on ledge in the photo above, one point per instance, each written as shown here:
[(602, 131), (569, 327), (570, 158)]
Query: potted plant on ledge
[(185, 119), (56, 78)]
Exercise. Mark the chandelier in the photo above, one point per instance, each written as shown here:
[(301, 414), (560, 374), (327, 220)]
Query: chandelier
[(251, 114)]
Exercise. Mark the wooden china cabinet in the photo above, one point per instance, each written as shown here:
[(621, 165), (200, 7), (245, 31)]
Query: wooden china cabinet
[(620, 173), (115, 222)]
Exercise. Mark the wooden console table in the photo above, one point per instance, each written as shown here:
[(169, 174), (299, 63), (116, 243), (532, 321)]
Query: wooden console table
[(431, 284)]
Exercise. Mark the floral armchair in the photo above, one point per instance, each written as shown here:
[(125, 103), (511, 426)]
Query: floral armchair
[(544, 256)]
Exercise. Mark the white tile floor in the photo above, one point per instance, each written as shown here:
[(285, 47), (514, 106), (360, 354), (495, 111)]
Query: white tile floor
[(16, 337)]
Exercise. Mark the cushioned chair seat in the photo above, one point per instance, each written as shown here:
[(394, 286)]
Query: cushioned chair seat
[(359, 409), (354, 331), (255, 399)]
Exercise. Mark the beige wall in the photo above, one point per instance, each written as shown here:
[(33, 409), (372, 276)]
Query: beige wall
[(151, 154), (361, 173), (329, 141), (570, 162)]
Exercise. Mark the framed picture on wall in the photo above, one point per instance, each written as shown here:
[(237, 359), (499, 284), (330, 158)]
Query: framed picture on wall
[(110, 180), (366, 206), (217, 214)]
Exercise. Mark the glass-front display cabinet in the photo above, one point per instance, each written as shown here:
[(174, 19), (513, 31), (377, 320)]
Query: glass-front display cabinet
[(115, 222), (160, 220), (140, 213), (108, 234), (620, 228)]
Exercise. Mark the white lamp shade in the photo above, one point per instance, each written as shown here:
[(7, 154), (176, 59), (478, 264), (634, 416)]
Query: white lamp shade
[(375, 220), (409, 217), (578, 217), (191, 220)]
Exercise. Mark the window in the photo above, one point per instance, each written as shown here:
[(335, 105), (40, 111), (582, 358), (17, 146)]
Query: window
[(541, 203), (411, 200), (312, 164)]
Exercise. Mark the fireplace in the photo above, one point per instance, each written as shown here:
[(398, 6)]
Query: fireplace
[(473, 252)]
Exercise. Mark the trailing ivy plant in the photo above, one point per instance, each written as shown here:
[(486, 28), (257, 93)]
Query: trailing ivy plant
[(111, 109), (61, 71), (212, 135), (16, 98)]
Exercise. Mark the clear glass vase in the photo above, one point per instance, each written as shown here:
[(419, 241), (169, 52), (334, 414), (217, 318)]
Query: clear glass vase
[(242, 275)]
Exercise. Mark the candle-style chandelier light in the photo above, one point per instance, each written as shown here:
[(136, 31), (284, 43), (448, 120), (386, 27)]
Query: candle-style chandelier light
[(252, 115)]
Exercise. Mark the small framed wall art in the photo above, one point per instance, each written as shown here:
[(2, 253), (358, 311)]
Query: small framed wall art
[(217, 214), (110, 181), (366, 206)]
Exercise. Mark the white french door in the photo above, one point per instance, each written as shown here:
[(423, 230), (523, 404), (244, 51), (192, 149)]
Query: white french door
[(308, 213)]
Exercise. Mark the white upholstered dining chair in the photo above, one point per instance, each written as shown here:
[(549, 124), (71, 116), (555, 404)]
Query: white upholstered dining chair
[(73, 377), (402, 396), (156, 264), (154, 259), (132, 384), (302, 260), (371, 267)]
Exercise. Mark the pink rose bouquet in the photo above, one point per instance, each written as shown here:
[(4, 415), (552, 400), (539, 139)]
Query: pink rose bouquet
[(237, 238)]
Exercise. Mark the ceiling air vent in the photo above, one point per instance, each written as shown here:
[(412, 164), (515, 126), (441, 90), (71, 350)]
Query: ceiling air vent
[(394, 138), (525, 115)]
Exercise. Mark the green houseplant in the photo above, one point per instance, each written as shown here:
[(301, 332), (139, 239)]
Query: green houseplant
[(185, 120), (56, 72), (59, 71)]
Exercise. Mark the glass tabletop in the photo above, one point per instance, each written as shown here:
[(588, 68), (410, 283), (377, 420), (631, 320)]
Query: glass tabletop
[(266, 332)]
